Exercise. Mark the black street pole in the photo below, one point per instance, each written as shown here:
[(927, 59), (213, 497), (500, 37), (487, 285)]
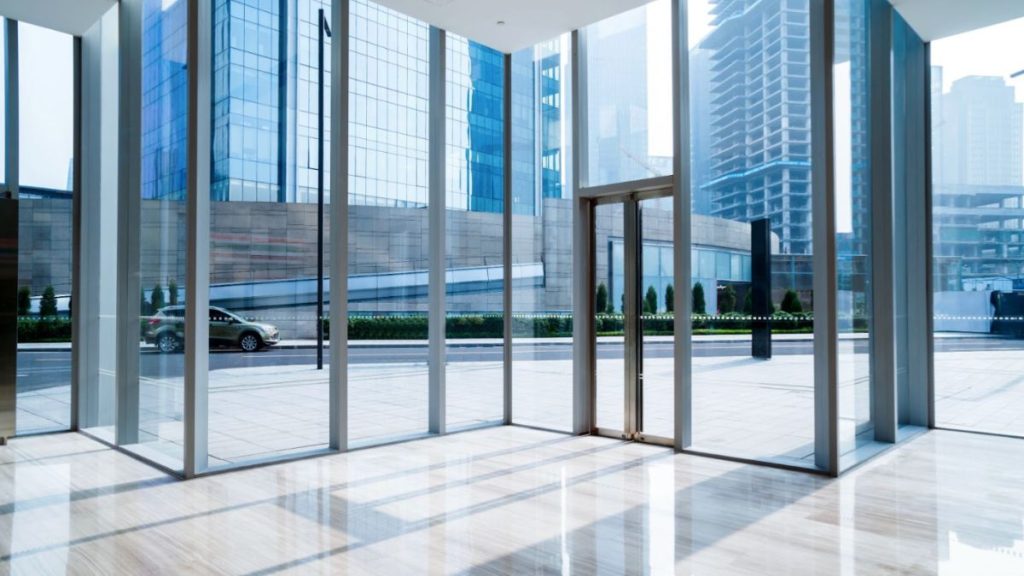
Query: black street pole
[(324, 29)]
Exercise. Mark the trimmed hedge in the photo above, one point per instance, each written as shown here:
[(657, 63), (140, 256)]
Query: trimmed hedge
[(53, 329), (558, 325), (58, 329)]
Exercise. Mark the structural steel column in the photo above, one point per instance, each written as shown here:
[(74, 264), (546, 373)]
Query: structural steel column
[(883, 289), (583, 361), (682, 348), (339, 226), (436, 232), (507, 246), (197, 277), (129, 208), (826, 407)]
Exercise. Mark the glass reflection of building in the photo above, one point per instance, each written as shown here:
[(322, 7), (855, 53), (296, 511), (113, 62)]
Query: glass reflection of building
[(265, 108)]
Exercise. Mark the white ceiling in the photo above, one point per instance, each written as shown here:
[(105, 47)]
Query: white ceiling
[(935, 19), (527, 22), (69, 16)]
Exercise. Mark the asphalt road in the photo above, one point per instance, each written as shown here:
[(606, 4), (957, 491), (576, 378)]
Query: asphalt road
[(45, 369)]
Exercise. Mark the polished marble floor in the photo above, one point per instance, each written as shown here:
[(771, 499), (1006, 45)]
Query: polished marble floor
[(515, 501)]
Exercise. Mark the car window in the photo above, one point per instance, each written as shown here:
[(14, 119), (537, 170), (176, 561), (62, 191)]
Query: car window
[(219, 316)]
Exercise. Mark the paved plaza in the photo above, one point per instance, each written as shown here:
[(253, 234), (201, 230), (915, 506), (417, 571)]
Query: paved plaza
[(741, 406)]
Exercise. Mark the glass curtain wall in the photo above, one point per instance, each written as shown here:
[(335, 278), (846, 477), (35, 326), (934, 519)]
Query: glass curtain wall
[(657, 312), (977, 106), (156, 430), (267, 396), (542, 236), (752, 275), (609, 324), (474, 230), (853, 224), (46, 120), (388, 370), (629, 96)]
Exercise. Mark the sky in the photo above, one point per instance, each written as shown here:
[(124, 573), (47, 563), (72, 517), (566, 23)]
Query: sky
[(46, 73), (46, 85), (992, 51)]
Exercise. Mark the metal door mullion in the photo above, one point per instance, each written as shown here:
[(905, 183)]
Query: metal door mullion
[(631, 284)]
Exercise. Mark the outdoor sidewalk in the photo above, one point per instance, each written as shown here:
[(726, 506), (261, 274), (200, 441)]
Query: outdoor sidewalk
[(727, 338)]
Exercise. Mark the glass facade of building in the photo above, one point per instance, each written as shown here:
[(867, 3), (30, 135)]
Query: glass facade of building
[(445, 272)]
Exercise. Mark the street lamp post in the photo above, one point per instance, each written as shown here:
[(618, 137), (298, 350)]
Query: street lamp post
[(325, 30)]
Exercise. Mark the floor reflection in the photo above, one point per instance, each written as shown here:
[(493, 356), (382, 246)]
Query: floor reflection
[(515, 500)]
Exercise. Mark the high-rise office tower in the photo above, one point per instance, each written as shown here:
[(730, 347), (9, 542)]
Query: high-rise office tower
[(757, 76), (264, 148), (978, 154)]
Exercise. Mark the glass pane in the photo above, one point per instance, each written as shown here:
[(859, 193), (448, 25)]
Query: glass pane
[(629, 95), (163, 231), (43, 384), (658, 361), (3, 104), (609, 266), (46, 115), (44, 315), (750, 136), (388, 244), (977, 216), (475, 230), (267, 397), (541, 237), (853, 224)]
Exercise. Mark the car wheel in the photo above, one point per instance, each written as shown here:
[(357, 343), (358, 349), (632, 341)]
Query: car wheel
[(250, 342), (167, 343)]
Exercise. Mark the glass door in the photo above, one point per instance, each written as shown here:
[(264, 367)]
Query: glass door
[(632, 267)]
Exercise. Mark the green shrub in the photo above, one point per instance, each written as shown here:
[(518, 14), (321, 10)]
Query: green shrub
[(48, 329), (670, 299), (727, 300), (791, 303), (172, 292), (601, 299), (24, 301), (156, 299), (699, 306), (651, 301), (48, 303)]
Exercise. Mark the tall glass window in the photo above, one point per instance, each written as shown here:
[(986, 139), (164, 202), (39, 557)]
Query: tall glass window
[(267, 395), (751, 284), (388, 369), (163, 229), (475, 174), (629, 95), (978, 229), (46, 123), (542, 236), (3, 103), (46, 90), (853, 223)]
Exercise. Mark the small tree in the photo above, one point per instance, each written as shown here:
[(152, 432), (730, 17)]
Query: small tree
[(699, 307), (48, 304), (791, 303), (748, 303), (24, 301), (172, 292), (727, 300), (156, 299), (144, 305), (651, 301), (670, 299), (601, 300)]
